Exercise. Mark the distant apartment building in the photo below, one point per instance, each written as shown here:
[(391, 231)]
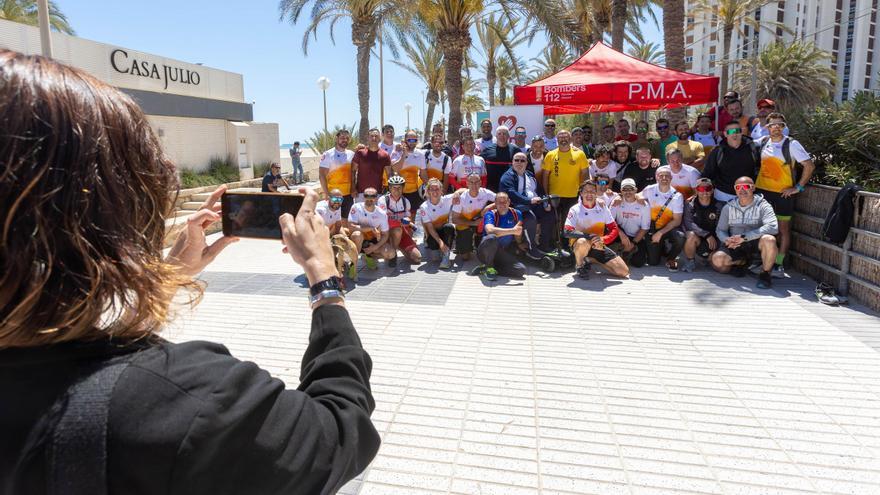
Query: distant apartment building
[(846, 29)]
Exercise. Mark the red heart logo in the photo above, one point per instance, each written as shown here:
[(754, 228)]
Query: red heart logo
[(507, 120)]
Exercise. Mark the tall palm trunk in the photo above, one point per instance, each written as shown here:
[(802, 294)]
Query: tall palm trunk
[(502, 94), (429, 117), (363, 35), (673, 44), (454, 43), (490, 81), (726, 59), (618, 23)]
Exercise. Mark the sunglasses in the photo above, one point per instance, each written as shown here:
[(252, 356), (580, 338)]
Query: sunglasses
[(731, 132), (630, 189), (705, 189), (370, 196), (519, 160), (743, 187), (602, 182), (549, 125), (660, 127), (520, 134), (335, 199), (776, 124), (412, 140), (641, 129)]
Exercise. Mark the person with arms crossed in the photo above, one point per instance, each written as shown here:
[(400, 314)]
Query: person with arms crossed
[(434, 217), (467, 215), (778, 179), (667, 207), (633, 218), (701, 215), (747, 225), (368, 166), (334, 170), (369, 229), (498, 249), (590, 228)]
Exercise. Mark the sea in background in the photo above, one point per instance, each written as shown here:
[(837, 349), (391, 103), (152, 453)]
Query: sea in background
[(287, 146)]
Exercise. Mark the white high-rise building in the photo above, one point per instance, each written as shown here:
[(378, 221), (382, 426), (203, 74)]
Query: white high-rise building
[(846, 29)]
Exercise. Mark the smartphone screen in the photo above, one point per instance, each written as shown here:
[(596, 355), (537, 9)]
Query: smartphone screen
[(256, 214)]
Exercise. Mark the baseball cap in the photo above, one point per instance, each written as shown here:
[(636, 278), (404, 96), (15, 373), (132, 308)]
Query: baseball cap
[(537, 138), (628, 183), (766, 102), (704, 181)]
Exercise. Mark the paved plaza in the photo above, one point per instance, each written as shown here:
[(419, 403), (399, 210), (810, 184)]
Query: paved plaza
[(662, 384)]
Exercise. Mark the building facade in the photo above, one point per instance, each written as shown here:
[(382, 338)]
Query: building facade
[(846, 29), (198, 112)]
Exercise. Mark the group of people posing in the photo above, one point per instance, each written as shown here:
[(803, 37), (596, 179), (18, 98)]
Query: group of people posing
[(724, 195)]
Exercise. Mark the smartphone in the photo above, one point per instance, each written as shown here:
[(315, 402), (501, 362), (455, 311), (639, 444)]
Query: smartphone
[(255, 214)]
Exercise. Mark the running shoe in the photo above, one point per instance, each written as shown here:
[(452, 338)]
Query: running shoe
[(825, 294), (672, 265), (688, 266), (392, 262), (583, 271), (765, 281), (371, 263), (477, 270), (444, 262), (491, 273), (353, 272), (778, 271)]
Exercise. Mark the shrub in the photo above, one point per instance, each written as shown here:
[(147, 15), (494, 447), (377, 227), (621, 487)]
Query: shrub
[(324, 140), (221, 170), (260, 169)]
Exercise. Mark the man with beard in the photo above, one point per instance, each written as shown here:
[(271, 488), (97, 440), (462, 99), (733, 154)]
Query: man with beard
[(692, 152), (368, 166), (735, 157), (498, 157)]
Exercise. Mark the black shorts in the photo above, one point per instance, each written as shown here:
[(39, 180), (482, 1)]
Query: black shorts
[(703, 250), (744, 252), (347, 202), (781, 206), (602, 256), (414, 200)]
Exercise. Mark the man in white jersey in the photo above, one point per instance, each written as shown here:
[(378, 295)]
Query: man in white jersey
[(602, 163), (397, 207), (437, 162), (704, 134), (633, 218), (605, 194), (330, 211), (590, 227), (369, 229), (467, 215), (464, 132), (536, 157), (334, 170), (684, 177), (388, 145), (550, 142), (434, 215), (411, 166), (667, 208), (465, 164)]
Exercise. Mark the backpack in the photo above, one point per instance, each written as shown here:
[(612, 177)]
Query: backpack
[(445, 161), (406, 207), (786, 155), (840, 216)]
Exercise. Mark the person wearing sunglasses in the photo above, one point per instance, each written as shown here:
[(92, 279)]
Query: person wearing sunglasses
[(498, 157), (735, 157), (747, 226), (330, 210), (525, 193), (519, 139), (633, 218), (643, 140), (590, 228), (667, 208), (765, 108), (786, 169), (412, 166), (273, 179), (369, 229), (700, 221), (550, 142), (605, 194), (666, 138)]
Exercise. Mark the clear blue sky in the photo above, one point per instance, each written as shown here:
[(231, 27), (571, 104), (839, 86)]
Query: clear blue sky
[(247, 38)]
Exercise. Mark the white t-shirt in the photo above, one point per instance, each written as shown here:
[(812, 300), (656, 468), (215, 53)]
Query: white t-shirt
[(435, 165), (632, 217), (438, 214), (394, 209), (775, 174), (470, 207), (464, 165), (708, 141), (526, 184), (338, 165), (550, 143), (376, 219), (589, 220), (610, 170), (329, 215), (685, 180), (656, 199), (389, 148), (608, 196), (537, 163)]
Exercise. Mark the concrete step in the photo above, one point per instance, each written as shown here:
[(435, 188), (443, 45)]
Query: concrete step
[(183, 213), (200, 197), (191, 205)]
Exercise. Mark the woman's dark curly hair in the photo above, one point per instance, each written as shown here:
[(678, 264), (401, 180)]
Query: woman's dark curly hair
[(84, 192)]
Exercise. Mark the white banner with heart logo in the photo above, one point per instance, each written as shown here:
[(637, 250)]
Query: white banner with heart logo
[(529, 116)]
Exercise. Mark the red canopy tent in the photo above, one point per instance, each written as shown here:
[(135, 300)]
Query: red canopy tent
[(605, 80)]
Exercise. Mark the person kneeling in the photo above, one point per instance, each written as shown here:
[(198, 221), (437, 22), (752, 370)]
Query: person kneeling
[(369, 229), (397, 207), (498, 250), (590, 227), (701, 214), (746, 225), (434, 217)]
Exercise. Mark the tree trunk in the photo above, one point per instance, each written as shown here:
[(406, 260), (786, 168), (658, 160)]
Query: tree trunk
[(363, 35), (618, 23), (673, 45), (726, 59), (490, 81), (431, 99), (454, 43), (502, 95)]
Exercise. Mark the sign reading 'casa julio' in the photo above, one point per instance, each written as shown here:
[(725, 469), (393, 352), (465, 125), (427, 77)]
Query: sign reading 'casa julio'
[(121, 63)]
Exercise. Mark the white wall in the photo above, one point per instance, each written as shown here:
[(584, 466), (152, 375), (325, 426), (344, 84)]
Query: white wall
[(191, 143)]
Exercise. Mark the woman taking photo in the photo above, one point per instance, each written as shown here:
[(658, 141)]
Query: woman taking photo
[(95, 401)]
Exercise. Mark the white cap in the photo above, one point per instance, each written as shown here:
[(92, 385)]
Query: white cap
[(629, 182)]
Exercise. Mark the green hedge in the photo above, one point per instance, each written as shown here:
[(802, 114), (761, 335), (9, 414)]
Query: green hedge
[(220, 171)]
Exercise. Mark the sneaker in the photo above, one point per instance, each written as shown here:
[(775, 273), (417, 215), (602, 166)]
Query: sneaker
[(672, 265), (688, 266), (353, 272), (825, 294), (756, 268), (778, 271), (477, 270), (491, 273), (583, 271), (765, 281), (444, 262), (371, 263), (392, 262), (535, 254)]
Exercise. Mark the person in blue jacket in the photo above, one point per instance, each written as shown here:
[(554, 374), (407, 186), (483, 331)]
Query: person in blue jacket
[(525, 194)]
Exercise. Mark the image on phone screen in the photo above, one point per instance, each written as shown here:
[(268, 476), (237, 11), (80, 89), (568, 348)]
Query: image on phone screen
[(256, 214)]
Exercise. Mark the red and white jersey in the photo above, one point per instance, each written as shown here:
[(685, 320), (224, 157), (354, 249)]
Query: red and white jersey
[(330, 216), (437, 215), (470, 207), (376, 219), (632, 217), (589, 220), (464, 165), (395, 209)]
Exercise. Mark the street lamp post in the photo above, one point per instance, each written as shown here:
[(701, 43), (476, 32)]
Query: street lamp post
[(45, 28), (323, 84), (407, 107)]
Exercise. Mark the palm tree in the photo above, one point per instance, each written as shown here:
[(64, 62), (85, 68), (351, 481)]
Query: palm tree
[(471, 100), (733, 15), (649, 52), (673, 44), (452, 20), (495, 34), (26, 12), (794, 75), (367, 16), (426, 63), (553, 58), (509, 73)]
